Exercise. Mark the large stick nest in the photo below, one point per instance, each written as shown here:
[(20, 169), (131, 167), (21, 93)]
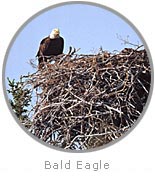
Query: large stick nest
[(86, 101)]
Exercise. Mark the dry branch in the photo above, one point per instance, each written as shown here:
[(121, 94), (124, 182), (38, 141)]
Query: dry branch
[(86, 101)]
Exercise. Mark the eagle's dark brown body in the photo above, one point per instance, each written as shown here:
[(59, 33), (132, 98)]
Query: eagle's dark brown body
[(49, 47)]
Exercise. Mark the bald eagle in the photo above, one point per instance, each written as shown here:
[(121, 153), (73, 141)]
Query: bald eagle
[(50, 46)]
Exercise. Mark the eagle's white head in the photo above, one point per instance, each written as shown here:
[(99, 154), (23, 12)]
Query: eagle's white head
[(55, 33)]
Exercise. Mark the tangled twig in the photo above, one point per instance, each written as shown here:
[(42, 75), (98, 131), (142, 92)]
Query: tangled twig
[(86, 101)]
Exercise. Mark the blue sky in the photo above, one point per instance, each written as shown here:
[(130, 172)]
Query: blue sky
[(82, 26)]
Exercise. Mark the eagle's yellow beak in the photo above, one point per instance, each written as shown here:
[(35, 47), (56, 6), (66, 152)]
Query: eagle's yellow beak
[(56, 31)]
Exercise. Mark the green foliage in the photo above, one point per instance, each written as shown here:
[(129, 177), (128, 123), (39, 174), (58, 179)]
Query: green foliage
[(21, 98)]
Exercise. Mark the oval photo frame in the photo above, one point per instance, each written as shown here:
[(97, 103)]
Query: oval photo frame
[(100, 122)]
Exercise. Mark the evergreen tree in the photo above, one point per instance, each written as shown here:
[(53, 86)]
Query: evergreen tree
[(21, 98)]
